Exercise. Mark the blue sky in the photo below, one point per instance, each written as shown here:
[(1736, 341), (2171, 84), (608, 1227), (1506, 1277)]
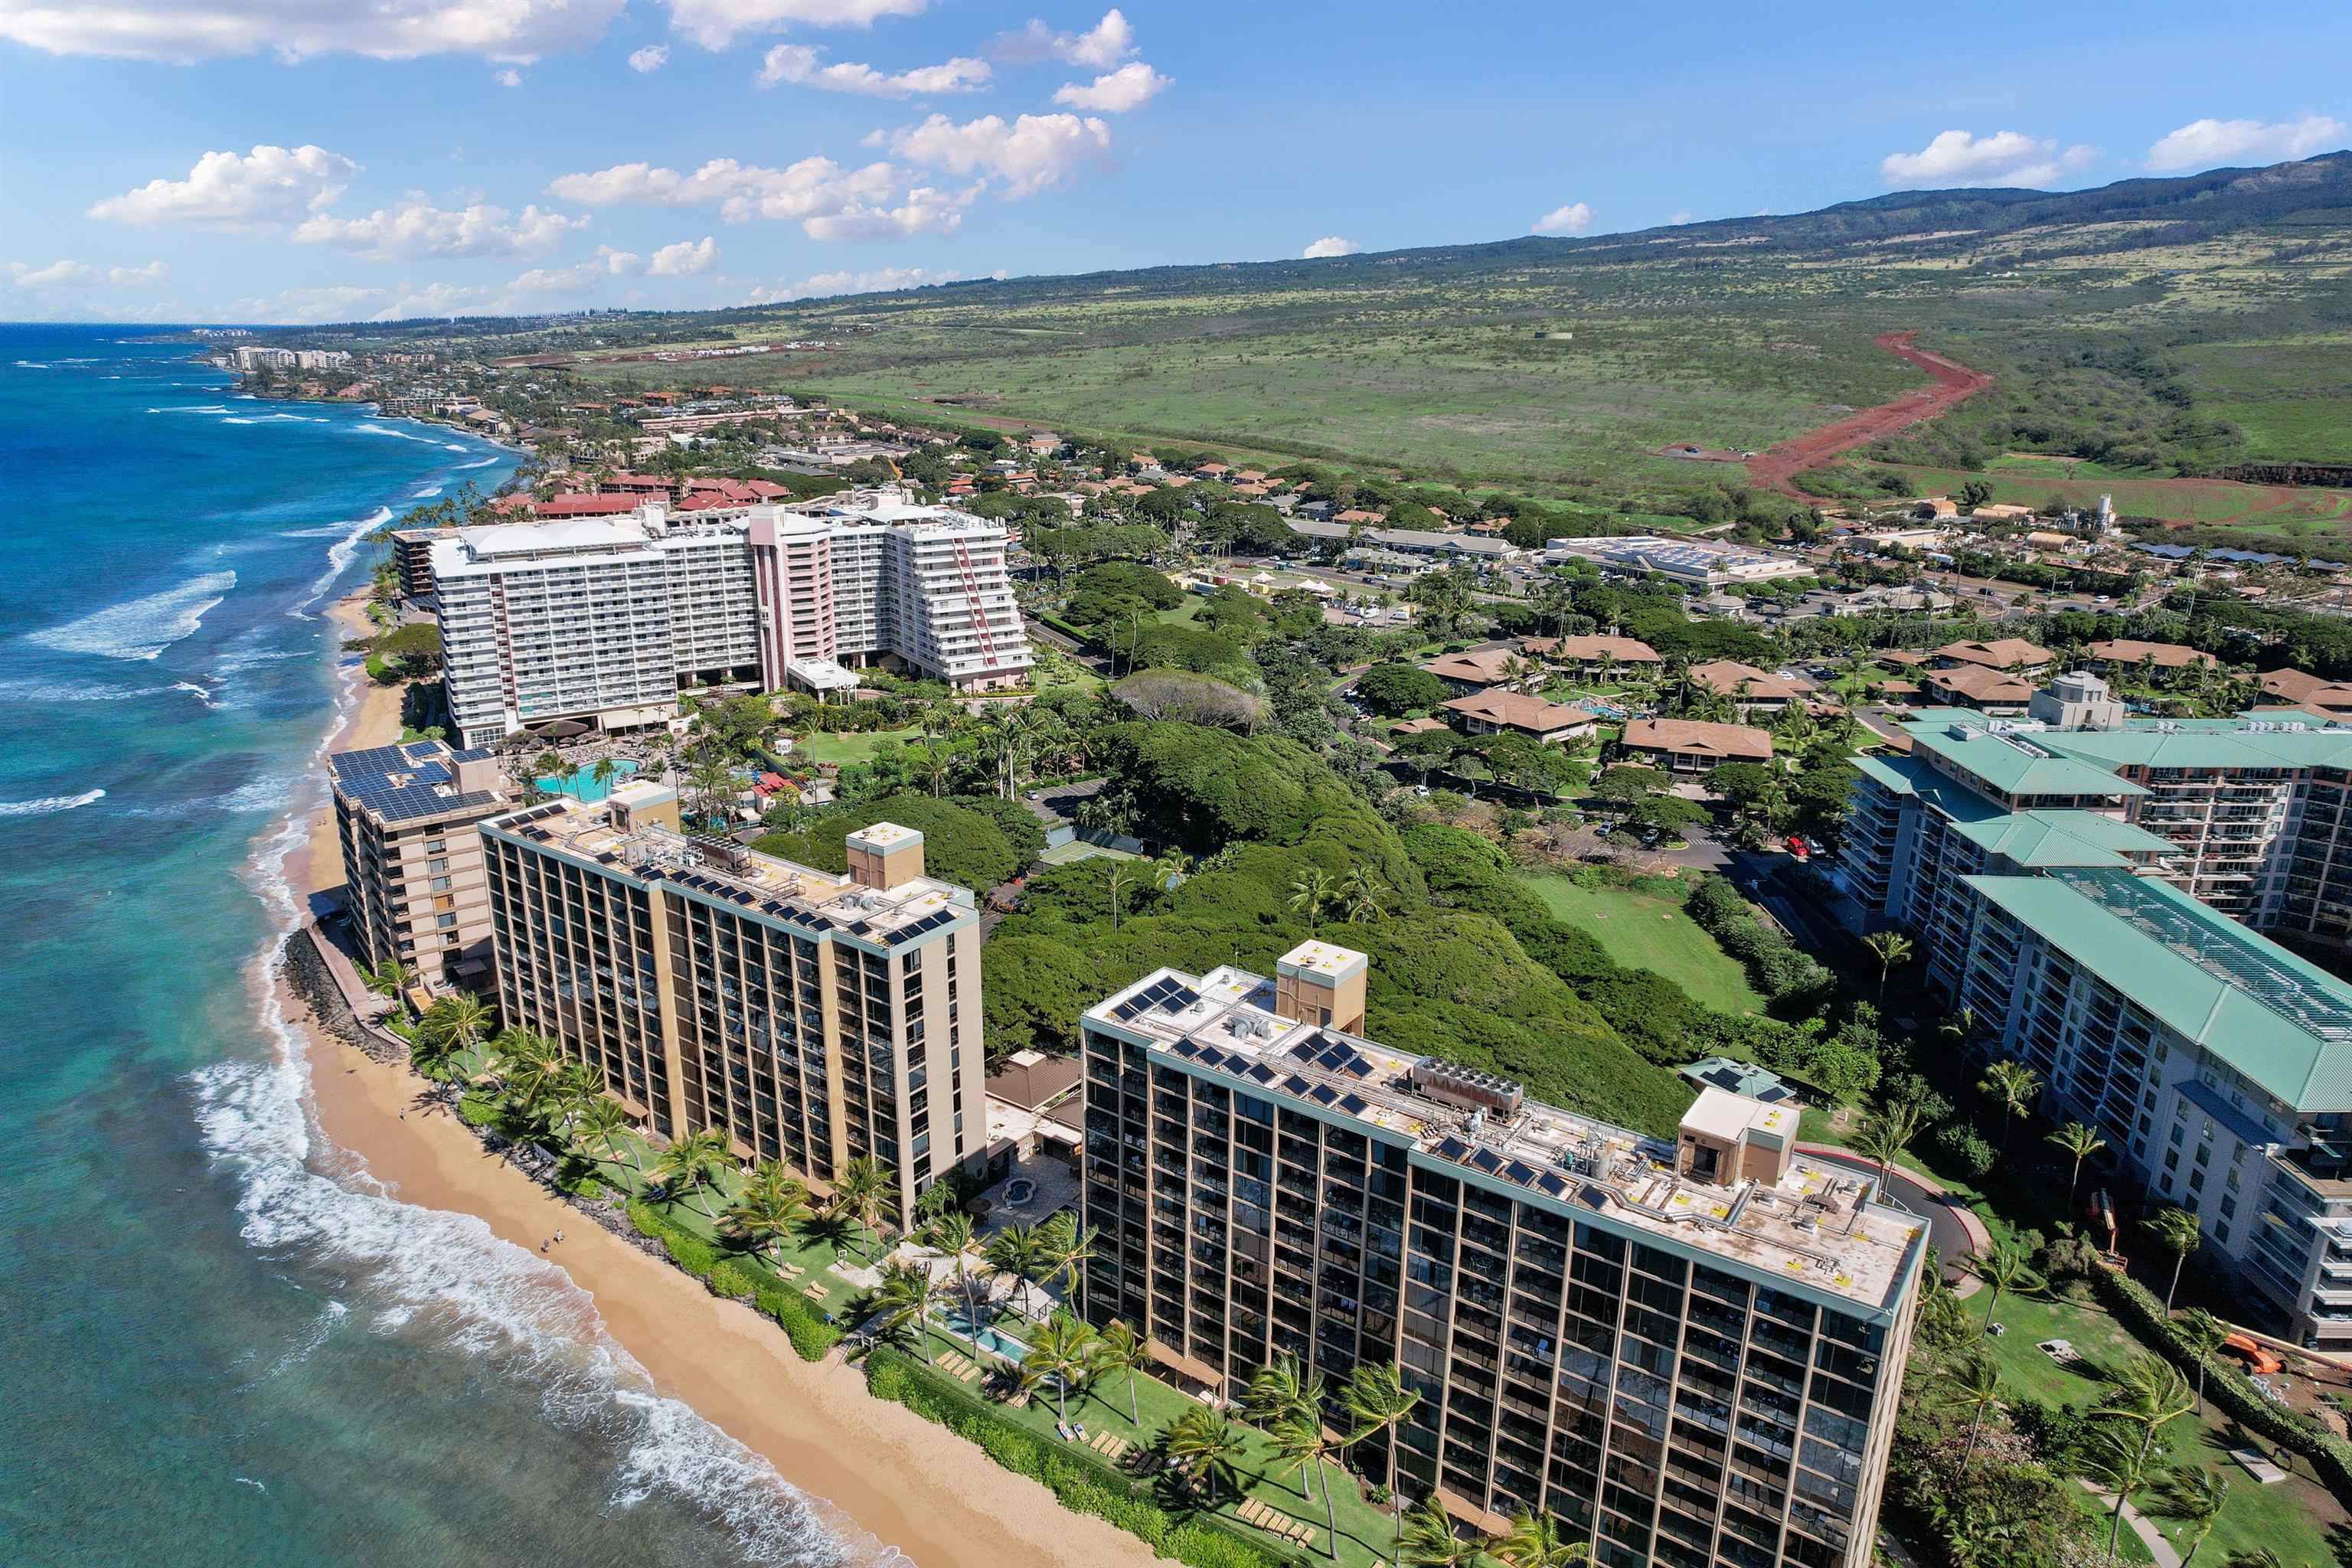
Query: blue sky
[(293, 159)]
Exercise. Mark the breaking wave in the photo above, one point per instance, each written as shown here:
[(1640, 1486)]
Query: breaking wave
[(49, 805), (143, 627)]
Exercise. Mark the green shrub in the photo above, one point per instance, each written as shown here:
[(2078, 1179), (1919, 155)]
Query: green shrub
[(1079, 1482), (811, 1335), (2143, 1315), (1961, 1148)]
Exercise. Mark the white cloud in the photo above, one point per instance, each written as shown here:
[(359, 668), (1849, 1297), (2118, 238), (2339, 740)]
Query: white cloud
[(1129, 86), (685, 259), (508, 78), (1330, 244), (619, 263), (1576, 217), (2206, 143), (2003, 158), (652, 58), (1679, 219), (1034, 153), (270, 184), (64, 273), (184, 31), (925, 211), (1103, 45), (418, 231), (828, 201), (825, 285), (342, 302), (716, 23), (797, 64)]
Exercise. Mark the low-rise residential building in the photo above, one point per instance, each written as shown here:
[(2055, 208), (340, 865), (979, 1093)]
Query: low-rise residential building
[(1691, 746), (1516, 712), (2123, 653), (1696, 562), (1595, 657), (1685, 1351), (1466, 672), (2301, 689), (407, 818), (1751, 689), (811, 1018), (1975, 686), (2014, 655)]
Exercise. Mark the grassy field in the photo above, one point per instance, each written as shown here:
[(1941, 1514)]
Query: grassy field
[(2294, 400), (2293, 513), (846, 749), (1643, 930), (2295, 1518)]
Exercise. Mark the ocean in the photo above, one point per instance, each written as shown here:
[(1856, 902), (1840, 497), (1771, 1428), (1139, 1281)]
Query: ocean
[(224, 1346)]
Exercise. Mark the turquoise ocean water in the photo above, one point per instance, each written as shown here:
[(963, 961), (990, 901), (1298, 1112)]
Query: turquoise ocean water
[(222, 1345)]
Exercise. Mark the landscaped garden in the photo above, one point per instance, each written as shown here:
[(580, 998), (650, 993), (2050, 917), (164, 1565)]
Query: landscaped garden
[(1645, 930)]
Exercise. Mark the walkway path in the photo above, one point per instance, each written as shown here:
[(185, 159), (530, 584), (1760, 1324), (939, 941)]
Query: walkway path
[(2152, 1537), (1951, 383)]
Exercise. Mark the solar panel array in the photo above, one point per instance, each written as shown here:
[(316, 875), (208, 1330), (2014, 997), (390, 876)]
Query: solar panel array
[(1166, 995), (1517, 1172)]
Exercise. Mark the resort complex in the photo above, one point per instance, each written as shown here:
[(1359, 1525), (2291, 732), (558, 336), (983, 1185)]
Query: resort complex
[(604, 621), (1688, 1352), (2094, 889), (813, 1019)]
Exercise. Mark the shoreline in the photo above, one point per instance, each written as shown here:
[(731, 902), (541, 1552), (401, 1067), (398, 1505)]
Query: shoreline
[(873, 1470)]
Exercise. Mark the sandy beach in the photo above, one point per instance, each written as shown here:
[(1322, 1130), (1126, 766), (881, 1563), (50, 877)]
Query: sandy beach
[(936, 1498)]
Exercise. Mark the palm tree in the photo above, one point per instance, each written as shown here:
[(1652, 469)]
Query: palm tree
[(770, 1204), (1974, 1389), (603, 1124), (1059, 1351), (1425, 1538), (389, 978), (952, 1234), (460, 1018), (904, 1299), (2003, 1269), (2254, 1557), (1376, 1400), (527, 1065), (1363, 892), (2080, 1142), (1019, 1251), (1893, 949), (1884, 1137), (1299, 1438), (694, 1161), (1282, 1387), (1535, 1542), (2147, 1393), (1209, 1443), (1120, 881), (2194, 1497), (2178, 1232), (1118, 1347), (432, 1056), (2203, 1335), (2014, 1085), (2118, 1467), (1066, 1248), (865, 1189), (1311, 895), (1170, 865), (603, 774)]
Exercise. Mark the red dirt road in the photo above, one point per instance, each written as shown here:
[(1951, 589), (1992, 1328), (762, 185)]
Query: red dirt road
[(1954, 384)]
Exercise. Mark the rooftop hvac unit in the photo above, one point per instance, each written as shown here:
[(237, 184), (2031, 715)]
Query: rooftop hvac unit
[(1451, 1084)]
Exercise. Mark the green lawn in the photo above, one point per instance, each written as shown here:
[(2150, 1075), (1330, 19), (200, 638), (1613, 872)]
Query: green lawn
[(1643, 930), (846, 749), (2292, 1518), (1365, 1531)]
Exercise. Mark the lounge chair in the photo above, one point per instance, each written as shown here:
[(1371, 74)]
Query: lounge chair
[(1061, 1430), (1306, 1535), (1249, 1512)]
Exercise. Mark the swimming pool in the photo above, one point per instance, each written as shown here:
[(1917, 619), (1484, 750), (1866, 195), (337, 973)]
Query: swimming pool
[(959, 1324), (583, 785)]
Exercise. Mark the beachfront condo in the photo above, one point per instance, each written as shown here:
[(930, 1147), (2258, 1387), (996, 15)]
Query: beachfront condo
[(2094, 889), (1687, 1350), (813, 1018), (604, 620), (407, 816)]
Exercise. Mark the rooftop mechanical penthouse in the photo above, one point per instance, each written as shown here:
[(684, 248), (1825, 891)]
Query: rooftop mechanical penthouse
[(1688, 1351)]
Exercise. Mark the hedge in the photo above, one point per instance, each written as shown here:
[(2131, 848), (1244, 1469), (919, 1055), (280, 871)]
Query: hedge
[(1082, 1483), (2136, 1306), (811, 1335)]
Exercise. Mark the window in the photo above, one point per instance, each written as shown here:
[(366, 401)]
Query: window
[(2222, 1233)]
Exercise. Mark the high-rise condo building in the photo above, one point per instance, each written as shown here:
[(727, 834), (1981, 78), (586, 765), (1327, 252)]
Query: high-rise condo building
[(605, 620), (407, 818), (1688, 1351), (811, 1018), (2093, 890)]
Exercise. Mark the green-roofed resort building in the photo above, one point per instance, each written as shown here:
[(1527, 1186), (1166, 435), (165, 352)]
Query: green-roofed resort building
[(2100, 893)]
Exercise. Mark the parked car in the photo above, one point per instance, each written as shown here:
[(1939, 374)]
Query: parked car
[(1800, 848)]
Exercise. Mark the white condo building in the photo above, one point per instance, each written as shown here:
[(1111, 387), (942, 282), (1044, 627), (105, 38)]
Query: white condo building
[(605, 620)]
